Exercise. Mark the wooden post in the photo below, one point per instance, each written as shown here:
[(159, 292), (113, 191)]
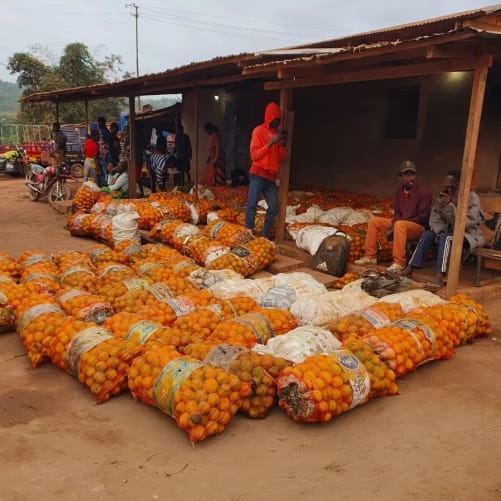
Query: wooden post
[(467, 167), (195, 148), (132, 148), (287, 124), (87, 126), (57, 112)]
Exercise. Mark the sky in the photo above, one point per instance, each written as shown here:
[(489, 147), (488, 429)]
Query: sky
[(174, 34)]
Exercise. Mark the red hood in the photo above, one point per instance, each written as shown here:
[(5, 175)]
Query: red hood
[(271, 112)]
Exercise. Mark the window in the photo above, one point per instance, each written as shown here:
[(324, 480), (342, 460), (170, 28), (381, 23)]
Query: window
[(403, 108)]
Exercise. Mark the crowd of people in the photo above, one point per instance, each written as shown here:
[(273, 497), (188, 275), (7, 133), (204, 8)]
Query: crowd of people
[(417, 218)]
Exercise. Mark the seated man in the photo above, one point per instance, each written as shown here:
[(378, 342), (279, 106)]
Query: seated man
[(118, 180), (442, 219), (411, 207)]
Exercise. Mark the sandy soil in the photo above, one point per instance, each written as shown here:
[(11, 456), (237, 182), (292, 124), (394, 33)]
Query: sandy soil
[(439, 439)]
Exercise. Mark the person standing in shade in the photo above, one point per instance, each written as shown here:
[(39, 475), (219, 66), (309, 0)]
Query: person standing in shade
[(60, 140), (267, 150), (215, 170), (91, 152), (411, 207), (104, 149), (158, 165), (440, 234), (183, 153)]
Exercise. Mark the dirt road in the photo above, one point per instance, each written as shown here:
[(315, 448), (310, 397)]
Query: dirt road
[(439, 440)]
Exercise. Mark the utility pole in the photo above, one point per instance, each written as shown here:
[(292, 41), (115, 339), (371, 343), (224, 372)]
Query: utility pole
[(136, 15)]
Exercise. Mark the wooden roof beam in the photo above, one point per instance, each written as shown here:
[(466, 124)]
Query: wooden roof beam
[(442, 52), (390, 48), (365, 75)]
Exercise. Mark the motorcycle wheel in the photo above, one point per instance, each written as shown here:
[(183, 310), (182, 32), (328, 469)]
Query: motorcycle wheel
[(59, 192), (77, 169), (33, 195)]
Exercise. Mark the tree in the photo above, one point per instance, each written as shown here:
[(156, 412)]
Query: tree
[(75, 68)]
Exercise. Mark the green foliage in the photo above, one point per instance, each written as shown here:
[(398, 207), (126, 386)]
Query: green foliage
[(9, 94), (163, 102), (75, 68)]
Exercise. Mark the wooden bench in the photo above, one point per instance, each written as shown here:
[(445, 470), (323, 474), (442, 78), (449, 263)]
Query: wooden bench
[(490, 259)]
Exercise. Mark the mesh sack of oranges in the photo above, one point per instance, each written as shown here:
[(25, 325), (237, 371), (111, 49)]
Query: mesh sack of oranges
[(31, 257), (149, 215), (367, 320), (255, 327), (383, 379), (37, 317), (203, 249), (158, 297), (6, 313), (281, 321), (239, 259), (173, 282), (225, 214), (9, 266), (229, 234), (483, 324), (159, 252), (103, 254), (99, 226), (402, 345), (204, 279), (442, 343), (93, 355), (66, 259), (199, 211), (113, 291), (202, 399), (84, 306), (198, 325), (110, 272), (139, 331), (259, 370), (323, 386), (185, 267), (131, 249), (173, 232), (246, 259), (458, 322), (77, 276), (85, 197), (126, 325), (78, 223), (44, 275)]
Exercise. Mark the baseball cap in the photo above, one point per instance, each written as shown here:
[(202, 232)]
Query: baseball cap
[(407, 165)]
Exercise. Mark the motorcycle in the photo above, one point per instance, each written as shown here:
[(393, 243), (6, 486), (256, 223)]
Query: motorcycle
[(13, 162), (49, 181)]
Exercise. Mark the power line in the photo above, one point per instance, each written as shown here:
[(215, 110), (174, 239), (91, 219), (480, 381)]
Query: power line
[(217, 28), (205, 15)]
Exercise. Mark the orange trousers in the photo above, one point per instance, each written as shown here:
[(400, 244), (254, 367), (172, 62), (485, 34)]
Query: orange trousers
[(402, 231)]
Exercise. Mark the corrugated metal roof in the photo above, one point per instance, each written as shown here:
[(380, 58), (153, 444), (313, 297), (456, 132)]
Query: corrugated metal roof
[(234, 68), (426, 26)]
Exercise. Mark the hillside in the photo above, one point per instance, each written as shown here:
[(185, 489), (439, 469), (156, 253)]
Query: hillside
[(9, 94)]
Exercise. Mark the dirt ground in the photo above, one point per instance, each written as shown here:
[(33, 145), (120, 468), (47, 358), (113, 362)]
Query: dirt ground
[(439, 439)]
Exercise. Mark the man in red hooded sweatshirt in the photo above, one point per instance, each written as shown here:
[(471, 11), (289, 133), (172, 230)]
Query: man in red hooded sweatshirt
[(267, 150)]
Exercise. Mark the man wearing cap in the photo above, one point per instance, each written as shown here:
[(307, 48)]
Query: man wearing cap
[(411, 208), (442, 220)]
